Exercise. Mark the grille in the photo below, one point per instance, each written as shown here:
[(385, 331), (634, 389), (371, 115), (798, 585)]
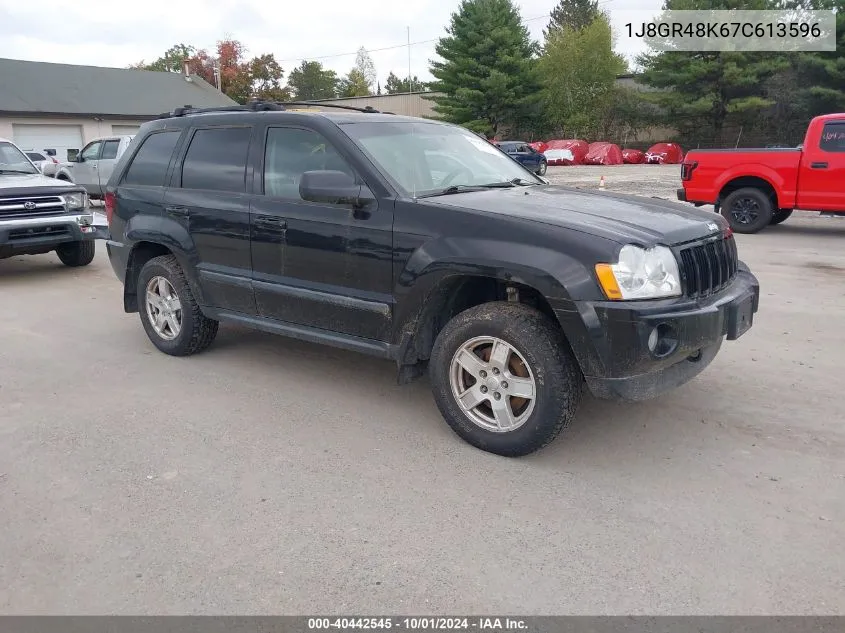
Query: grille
[(17, 207), (709, 266)]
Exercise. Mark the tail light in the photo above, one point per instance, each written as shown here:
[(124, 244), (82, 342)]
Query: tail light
[(109, 202), (687, 169), (55, 162)]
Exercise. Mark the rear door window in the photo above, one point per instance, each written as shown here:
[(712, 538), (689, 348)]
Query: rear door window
[(216, 159), (149, 165), (833, 137), (110, 149)]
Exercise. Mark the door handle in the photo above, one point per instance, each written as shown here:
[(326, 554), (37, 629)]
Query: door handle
[(176, 210), (818, 165), (271, 221)]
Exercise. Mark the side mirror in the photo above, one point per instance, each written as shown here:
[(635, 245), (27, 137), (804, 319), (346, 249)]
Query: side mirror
[(332, 187)]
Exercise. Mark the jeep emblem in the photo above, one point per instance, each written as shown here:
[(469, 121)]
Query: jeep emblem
[(712, 226), (29, 205)]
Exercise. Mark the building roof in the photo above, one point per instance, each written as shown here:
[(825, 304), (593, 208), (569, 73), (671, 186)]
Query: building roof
[(44, 88)]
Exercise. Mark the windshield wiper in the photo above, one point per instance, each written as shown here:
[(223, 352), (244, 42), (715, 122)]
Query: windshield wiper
[(465, 188), (521, 182), (15, 171)]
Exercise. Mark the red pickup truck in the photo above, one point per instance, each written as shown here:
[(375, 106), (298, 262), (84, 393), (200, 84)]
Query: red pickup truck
[(753, 188)]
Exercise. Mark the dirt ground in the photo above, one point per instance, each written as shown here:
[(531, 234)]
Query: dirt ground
[(269, 476)]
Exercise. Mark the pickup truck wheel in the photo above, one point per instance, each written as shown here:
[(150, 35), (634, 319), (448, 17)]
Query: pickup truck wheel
[(780, 216), (504, 379), (77, 254), (748, 210), (169, 312)]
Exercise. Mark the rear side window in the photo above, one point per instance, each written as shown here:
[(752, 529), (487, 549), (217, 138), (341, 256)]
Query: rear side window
[(149, 165), (110, 149), (35, 156), (216, 160), (833, 137)]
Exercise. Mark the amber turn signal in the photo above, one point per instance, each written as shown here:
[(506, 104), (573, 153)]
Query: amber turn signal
[(607, 280)]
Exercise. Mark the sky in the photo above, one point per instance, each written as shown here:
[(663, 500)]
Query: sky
[(109, 33)]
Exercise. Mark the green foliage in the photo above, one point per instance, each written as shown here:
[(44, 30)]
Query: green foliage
[(572, 14), (487, 73), (266, 76), (310, 81), (365, 68), (394, 85), (173, 60), (579, 70), (355, 84)]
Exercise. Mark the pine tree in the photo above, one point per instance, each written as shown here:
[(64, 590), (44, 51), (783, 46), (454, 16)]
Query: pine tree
[(702, 91), (487, 75), (311, 81), (574, 14)]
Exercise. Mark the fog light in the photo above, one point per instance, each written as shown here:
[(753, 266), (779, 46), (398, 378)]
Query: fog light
[(653, 339)]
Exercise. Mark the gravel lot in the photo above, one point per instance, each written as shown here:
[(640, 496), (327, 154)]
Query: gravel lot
[(272, 476)]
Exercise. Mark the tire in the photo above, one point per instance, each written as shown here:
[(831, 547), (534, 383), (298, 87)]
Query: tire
[(541, 170), (747, 210), (780, 215), (557, 380), (195, 331), (75, 254), (63, 177)]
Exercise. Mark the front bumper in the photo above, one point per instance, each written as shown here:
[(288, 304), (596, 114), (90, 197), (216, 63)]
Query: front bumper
[(24, 233), (615, 355)]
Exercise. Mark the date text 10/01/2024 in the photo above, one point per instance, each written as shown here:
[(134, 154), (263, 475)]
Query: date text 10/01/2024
[(724, 29), (418, 623)]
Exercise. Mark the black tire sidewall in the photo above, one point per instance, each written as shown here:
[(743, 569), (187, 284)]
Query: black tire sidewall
[(781, 215), (79, 253), (181, 343), (541, 170), (764, 218), (556, 381)]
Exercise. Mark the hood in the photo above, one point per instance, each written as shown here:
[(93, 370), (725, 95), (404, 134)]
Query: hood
[(23, 184), (618, 217)]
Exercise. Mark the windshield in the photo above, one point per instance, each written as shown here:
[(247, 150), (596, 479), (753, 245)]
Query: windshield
[(12, 160), (425, 158)]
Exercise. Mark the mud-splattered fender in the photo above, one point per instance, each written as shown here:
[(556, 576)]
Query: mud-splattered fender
[(432, 270)]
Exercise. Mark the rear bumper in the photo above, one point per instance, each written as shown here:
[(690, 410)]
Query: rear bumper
[(619, 363), (682, 195), (22, 234)]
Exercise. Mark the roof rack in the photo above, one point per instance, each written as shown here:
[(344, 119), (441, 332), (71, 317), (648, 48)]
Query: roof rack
[(256, 105)]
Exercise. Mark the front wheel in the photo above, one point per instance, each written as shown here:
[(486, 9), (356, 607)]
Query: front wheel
[(75, 254), (747, 210), (504, 379), (780, 215), (541, 170)]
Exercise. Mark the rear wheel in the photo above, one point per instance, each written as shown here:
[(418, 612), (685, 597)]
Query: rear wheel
[(780, 216), (541, 170), (504, 379), (748, 210), (169, 312), (77, 254)]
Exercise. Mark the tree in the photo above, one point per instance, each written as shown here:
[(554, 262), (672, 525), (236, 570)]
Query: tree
[(700, 92), (575, 14), (487, 73), (310, 81), (394, 85), (365, 68), (266, 79), (579, 70), (173, 60), (355, 84)]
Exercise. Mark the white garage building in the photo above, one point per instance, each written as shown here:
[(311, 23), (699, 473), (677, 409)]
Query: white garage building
[(63, 107)]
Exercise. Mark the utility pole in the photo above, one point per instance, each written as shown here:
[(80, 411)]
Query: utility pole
[(410, 83)]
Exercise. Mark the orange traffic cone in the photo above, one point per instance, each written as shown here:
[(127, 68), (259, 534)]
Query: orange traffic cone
[(601, 183)]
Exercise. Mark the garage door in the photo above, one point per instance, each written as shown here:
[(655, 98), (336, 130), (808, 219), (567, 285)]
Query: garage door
[(58, 137), (123, 130)]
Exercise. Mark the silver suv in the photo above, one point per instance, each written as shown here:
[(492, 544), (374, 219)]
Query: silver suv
[(95, 163), (40, 214)]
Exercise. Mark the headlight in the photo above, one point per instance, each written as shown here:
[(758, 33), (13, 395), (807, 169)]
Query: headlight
[(75, 200), (641, 274)]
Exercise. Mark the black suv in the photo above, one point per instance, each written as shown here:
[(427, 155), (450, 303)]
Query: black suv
[(419, 242)]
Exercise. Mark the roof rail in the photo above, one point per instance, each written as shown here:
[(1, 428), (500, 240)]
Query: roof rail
[(322, 104), (252, 106), (257, 105)]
